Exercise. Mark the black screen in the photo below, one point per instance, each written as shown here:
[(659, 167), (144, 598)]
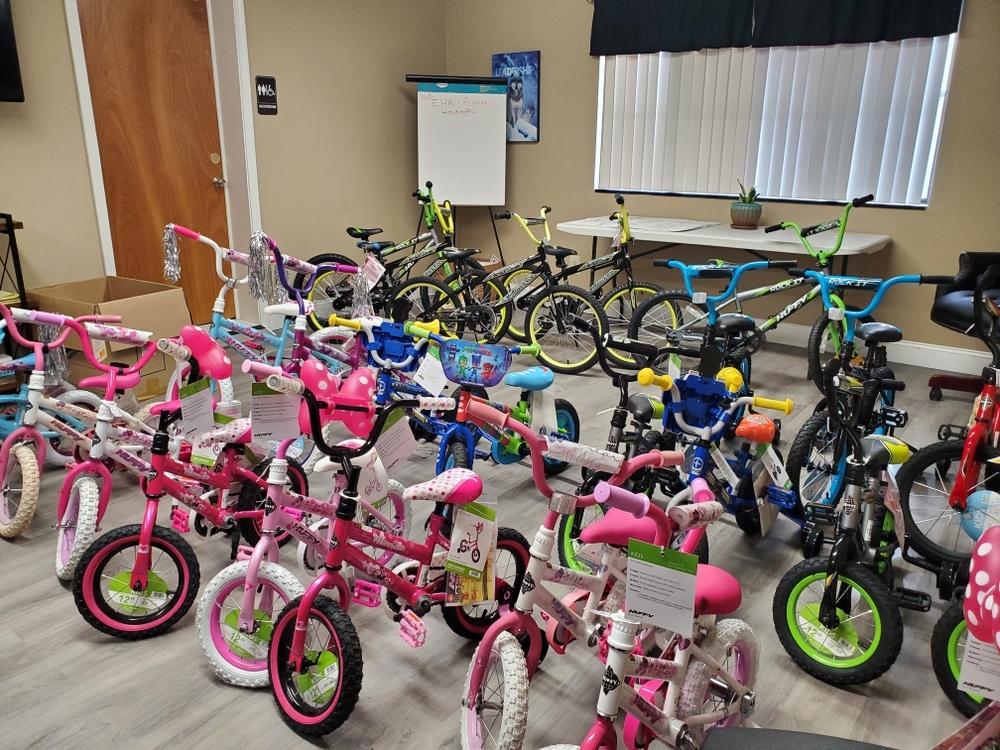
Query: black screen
[(10, 72)]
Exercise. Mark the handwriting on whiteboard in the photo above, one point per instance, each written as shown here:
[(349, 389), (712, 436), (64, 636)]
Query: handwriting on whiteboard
[(454, 104)]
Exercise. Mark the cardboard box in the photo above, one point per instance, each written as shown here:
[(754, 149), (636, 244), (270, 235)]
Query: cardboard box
[(144, 305), (155, 375)]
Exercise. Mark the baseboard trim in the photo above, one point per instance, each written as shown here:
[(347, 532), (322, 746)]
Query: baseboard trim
[(931, 356)]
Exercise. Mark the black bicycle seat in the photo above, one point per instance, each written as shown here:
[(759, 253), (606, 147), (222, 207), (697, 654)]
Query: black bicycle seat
[(457, 255), (739, 738), (557, 252), (878, 333), (730, 324), (363, 234)]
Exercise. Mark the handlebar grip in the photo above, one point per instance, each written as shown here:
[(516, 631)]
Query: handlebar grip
[(613, 217), (671, 458), (505, 215), (485, 413), (863, 200), (428, 403), (785, 406), (173, 349), (532, 350), (354, 325), (546, 210), (831, 368), (631, 502), (21, 315), (284, 384), (104, 318), (260, 369), (937, 279), (619, 199), (647, 377), (786, 264), (661, 262), (425, 330), (700, 491), (52, 319), (428, 184), (888, 384), (773, 228), (185, 232), (798, 273), (584, 455)]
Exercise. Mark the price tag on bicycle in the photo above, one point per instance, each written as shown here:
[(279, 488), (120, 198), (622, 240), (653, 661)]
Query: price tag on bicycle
[(207, 454), (396, 443), (196, 408), (273, 415), (469, 567), (660, 586), (980, 673), (430, 375), (372, 270)]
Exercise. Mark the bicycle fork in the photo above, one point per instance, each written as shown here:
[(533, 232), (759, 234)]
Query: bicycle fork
[(845, 548)]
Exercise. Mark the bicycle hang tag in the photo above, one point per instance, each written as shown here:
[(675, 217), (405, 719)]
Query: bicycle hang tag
[(127, 402), (674, 366), (396, 442), (461, 591), (273, 415), (372, 270), (471, 538), (196, 408), (660, 586), (723, 466), (207, 454), (430, 375), (544, 419), (980, 672)]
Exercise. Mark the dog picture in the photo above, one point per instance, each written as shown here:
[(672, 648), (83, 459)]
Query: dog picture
[(515, 99)]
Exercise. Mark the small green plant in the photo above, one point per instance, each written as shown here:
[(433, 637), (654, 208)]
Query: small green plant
[(747, 196)]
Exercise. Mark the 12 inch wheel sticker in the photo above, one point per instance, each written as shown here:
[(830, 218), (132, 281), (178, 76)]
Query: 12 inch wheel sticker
[(248, 645), (137, 603), (842, 642), (316, 687)]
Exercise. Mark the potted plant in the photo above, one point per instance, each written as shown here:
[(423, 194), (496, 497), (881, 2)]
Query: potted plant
[(745, 213)]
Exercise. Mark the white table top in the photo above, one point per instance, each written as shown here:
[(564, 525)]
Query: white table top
[(689, 232)]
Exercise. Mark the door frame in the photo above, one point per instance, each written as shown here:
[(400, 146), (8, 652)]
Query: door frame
[(231, 72)]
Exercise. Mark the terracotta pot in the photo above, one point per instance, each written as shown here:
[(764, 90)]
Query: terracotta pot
[(745, 215)]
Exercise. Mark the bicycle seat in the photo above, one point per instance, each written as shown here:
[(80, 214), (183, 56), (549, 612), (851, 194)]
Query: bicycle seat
[(122, 382), (557, 252), (730, 324), (644, 407), (740, 738), (878, 333), (457, 255), (238, 431), (756, 428), (363, 234), (453, 486), (290, 309), (212, 358), (532, 379)]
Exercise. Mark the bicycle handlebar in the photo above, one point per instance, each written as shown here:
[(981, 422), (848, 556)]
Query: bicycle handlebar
[(881, 286), (260, 369), (503, 216), (863, 200), (221, 253), (773, 228), (635, 503), (693, 272)]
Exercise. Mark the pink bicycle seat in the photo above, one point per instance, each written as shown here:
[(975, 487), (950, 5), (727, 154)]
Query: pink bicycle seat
[(212, 359), (122, 382), (716, 592), (237, 431), (454, 486), (616, 527)]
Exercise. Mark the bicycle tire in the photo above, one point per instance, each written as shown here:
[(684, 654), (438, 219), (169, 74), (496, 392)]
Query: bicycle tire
[(491, 321), (78, 525), (802, 456), (344, 299), (455, 454), (667, 311), (519, 306), (913, 473), (254, 497), (425, 299), (20, 478), (817, 341), (347, 660), (945, 646), (562, 302), (620, 305), (506, 654)]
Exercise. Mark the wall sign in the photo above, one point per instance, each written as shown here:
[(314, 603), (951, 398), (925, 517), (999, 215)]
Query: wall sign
[(521, 69), (267, 95)]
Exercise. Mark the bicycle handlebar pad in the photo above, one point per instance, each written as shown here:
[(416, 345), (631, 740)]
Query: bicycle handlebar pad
[(631, 502), (52, 319), (782, 263)]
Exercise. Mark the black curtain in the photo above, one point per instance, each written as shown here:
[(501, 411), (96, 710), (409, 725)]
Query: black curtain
[(631, 27), (787, 23)]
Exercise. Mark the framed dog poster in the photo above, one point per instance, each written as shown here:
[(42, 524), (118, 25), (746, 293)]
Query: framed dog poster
[(521, 71)]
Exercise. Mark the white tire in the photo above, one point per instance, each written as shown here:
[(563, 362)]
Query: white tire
[(732, 644), (562, 747), (244, 662), (506, 676), (78, 526), (18, 491), (59, 452)]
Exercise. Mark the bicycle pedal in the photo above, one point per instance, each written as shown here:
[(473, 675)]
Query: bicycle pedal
[(367, 594), (243, 553), (820, 513), (911, 599), (952, 432), (180, 520), (412, 628)]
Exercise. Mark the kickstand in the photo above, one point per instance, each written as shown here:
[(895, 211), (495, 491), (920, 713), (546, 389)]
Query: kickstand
[(234, 538)]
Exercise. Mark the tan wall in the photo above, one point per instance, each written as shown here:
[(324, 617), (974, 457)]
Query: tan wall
[(44, 177), (342, 149), (559, 170)]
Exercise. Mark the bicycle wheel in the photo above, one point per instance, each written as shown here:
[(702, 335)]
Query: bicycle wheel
[(483, 319), (456, 455), (18, 491), (497, 716), (511, 562), (822, 344), (862, 647), (620, 306), (60, 449), (933, 527), (519, 305), (333, 292), (947, 650), (104, 597), (565, 348), (568, 422), (425, 299), (241, 658), (397, 511), (669, 317), (78, 525), (732, 644), (317, 698), (811, 465), (254, 497)]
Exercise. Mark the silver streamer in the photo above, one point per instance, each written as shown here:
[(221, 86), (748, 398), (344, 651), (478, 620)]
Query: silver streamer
[(171, 255), (263, 283), (362, 303), (56, 363)]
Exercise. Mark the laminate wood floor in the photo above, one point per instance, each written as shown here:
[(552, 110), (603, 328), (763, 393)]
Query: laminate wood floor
[(63, 684)]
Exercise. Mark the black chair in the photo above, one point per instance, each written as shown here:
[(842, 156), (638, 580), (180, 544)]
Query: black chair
[(953, 309)]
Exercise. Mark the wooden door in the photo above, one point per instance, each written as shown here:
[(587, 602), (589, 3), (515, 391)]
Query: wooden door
[(151, 81)]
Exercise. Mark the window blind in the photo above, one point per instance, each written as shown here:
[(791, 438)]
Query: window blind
[(806, 123)]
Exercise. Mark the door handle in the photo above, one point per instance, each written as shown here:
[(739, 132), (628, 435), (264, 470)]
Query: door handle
[(219, 182)]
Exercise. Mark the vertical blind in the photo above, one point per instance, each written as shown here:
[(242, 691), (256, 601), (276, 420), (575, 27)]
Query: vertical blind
[(806, 123)]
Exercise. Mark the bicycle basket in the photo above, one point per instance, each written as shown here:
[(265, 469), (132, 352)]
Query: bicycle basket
[(469, 363)]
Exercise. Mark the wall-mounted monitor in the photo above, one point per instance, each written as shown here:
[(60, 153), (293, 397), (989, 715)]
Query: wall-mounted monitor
[(11, 89)]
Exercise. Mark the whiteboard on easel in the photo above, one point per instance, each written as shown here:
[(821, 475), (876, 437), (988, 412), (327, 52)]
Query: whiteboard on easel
[(462, 141)]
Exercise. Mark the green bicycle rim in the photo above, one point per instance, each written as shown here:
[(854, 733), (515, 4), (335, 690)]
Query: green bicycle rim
[(512, 330), (791, 616), (569, 547), (956, 668)]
